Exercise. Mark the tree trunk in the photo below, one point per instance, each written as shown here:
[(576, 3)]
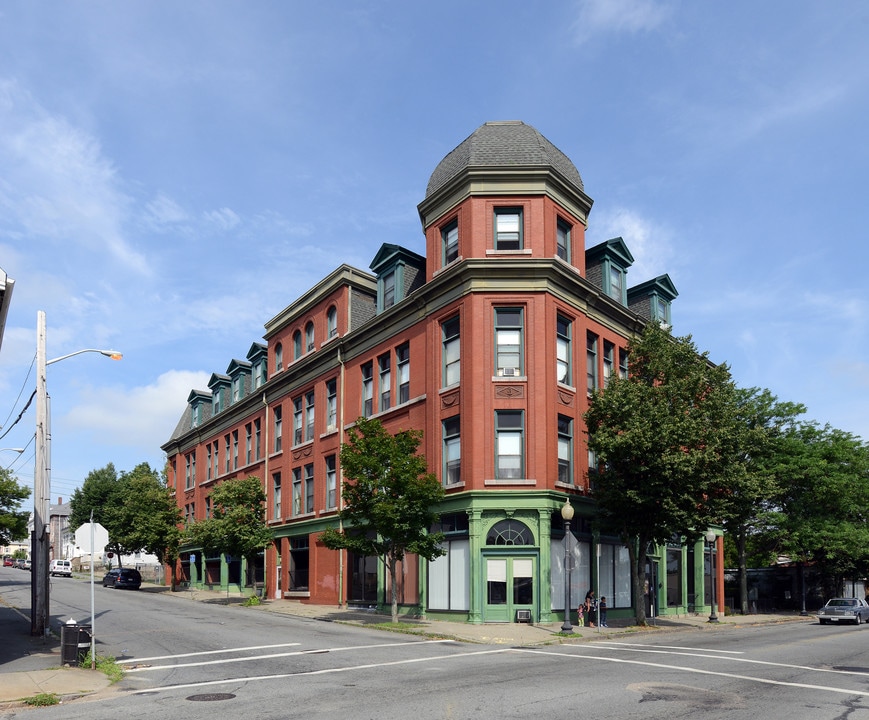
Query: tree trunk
[(637, 555), (392, 563), (742, 562)]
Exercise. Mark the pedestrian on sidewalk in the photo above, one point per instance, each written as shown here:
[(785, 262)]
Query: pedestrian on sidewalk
[(602, 610), (580, 619), (591, 608)]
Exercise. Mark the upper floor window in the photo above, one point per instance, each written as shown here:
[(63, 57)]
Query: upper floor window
[(196, 420), (508, 342), (235, 449), (384, 363), (309, 416), (237, 388), (389, 289), (609, 362), (279, 357), (450, 241), (331, 404), (227, 454), (367, 389), (452, 460), (190, 471), (278, 427), (257, 439), (660, 310), (309, 337), (562, 349), (259, 373), (562, 240), (565, 449), (297, 344), (331, 482), (332, 321), (402, 358), (591, 361), (451, 351), (309, 488), (297, 421), (509, 444), (508, 229), (248, 444), (623, 364), (276, 494), (216, 397), (616, 285)]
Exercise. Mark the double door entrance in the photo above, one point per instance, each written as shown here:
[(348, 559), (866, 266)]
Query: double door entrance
[(510, 585)]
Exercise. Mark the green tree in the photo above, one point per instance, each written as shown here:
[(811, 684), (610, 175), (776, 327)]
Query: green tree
[(13, 520), (761, 423), (666, 440), (148, 518), (237, 525), (389, 497), (820, 514)]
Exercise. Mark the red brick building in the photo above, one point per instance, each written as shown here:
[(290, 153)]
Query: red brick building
[(490, 344)]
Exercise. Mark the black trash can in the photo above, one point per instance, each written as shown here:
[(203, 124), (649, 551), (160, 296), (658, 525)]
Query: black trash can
[(75, 643)]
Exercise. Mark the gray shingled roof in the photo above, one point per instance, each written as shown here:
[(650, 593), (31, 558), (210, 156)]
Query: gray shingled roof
[(502, 144)]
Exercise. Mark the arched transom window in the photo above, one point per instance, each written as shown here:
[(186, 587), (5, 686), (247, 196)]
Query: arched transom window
[(510, 532)]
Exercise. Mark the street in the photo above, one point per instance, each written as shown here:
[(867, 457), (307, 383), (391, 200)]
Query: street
[(202, 659)]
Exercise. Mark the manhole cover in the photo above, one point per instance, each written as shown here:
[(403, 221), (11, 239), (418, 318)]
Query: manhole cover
[(210, 697)]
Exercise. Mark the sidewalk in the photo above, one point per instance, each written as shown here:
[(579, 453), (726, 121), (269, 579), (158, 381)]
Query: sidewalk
[(31, 666)]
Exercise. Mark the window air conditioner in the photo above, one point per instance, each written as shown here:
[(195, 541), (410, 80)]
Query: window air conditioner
[(508, 372), (523, 616)]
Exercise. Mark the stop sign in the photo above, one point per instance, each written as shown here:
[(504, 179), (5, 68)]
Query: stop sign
[(110, 555)]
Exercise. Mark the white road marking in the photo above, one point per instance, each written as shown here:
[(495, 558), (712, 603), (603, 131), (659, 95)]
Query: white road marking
[(204, 652), (328, 671), (619, 643), (313, 651), (686, 653), (698, 671)]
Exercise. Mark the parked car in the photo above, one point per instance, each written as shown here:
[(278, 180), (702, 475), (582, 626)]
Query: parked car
[(855, 610), (7, 562), (60, 567), (123, 578), (25, 564)]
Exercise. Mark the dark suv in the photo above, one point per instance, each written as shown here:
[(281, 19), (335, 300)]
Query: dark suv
[(123, 578)]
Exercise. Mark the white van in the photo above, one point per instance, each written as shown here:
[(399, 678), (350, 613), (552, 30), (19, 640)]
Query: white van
[(60, 567)]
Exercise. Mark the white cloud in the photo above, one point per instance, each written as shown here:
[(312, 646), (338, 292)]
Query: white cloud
[(223, 220), (597, 17), (164, 211), (649, 243), (57, 185), (140, 417)]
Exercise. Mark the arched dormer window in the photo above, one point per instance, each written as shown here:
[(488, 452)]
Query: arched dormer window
[(332, 321), (510, 532), (279, 358), (309, 337)]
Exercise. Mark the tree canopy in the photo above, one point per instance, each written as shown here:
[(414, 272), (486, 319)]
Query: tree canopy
[(13, 520), (237, 525), (389, 499), (666, 441)]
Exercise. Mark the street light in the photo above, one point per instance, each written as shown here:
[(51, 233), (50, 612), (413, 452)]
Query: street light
[(39, 617), (710, 538), (567, 516)]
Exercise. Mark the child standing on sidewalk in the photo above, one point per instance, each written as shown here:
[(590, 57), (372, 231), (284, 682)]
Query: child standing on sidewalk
[(580, 620), (601, 606)]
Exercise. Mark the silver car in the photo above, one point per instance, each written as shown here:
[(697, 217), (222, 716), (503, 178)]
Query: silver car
[(839, 610)]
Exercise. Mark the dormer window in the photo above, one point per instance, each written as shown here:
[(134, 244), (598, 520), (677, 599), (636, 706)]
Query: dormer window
[(660, 310), (508, 229), (616, 285), (237, 388), (450, 241), (389, 290), (197, 415), (215, 402)]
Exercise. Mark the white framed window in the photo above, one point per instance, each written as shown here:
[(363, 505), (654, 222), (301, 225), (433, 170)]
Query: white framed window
[(309, 416), (508, 229), (451, 352), (297, 491), (616, 289), (565, 449), (609, 362), (389, 290), (591, 362), (509, 444), (309, 337), (331, 483), (562, 349), (248, 444), (384, 364), (562, 239), (297, 344), (276, 496), (297, 421), (278, 427), (332, 321), (450, 242), (623, 364), (279, 357), (452, 451), (508, 342), (402, 361), (235, 449), (257, 439), (367, 389), (309, 488), (331, 404), (228, 453)]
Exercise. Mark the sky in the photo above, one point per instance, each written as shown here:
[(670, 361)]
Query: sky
[(173, 175)]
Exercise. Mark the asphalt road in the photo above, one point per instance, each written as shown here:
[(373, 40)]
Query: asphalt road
[(204, 660)]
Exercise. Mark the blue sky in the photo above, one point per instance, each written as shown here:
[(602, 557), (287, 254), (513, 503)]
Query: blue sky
[(172, 175)]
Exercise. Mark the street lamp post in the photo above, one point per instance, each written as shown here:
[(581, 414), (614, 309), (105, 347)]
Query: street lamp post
[(39, 616), (567, 516), (711, 538)]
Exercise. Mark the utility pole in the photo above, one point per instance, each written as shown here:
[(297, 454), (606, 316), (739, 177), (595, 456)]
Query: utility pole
[(39, 539)]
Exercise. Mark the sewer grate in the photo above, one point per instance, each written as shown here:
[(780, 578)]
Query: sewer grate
[(211, 697)]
